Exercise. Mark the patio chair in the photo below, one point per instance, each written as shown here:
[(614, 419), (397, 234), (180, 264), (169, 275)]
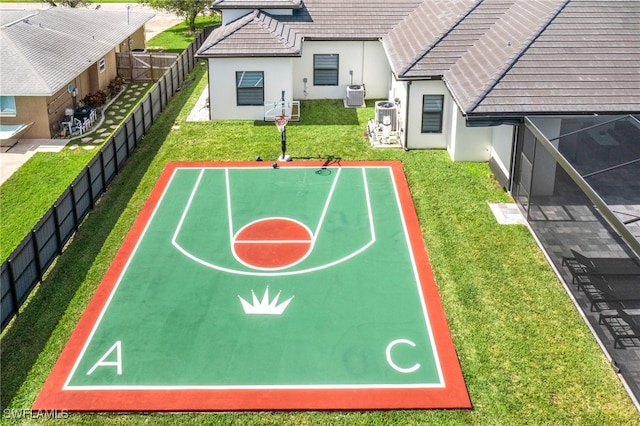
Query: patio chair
[(67, 127), (81, 126), (608, 265), (93, 116), (622, 326), (611, 290), (577, 269), (78, 126)]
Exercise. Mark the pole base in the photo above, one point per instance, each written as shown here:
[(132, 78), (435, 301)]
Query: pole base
[(284, 158)]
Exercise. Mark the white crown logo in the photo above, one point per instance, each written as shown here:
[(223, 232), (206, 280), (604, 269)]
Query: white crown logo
[(264, 307)]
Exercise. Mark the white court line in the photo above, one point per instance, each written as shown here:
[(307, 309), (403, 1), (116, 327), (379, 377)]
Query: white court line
[(273, 242), (115, 287), (418, 283), (257, 387), (313, 234), (272, 273)]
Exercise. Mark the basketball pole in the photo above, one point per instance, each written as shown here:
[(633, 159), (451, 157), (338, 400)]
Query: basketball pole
[(281, 123), (284, 156)]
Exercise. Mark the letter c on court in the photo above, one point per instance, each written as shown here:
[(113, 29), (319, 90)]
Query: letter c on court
[(393, 364)]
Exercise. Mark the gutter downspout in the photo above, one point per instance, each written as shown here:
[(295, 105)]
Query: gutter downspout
[(514, 157), (406, 117)]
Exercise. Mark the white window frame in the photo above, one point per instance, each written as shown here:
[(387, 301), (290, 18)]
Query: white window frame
[(255, 87), (428, 102), (333, 72)]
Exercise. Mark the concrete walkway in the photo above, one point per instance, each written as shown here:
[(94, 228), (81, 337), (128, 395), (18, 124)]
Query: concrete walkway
[(13, 157)]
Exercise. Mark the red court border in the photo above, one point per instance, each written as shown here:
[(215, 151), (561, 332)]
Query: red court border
[(453, 395)]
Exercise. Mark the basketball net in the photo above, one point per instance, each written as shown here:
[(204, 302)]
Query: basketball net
[(281, 122)]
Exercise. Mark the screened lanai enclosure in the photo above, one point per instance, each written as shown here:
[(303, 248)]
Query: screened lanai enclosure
[(583, 174), (577, 181)]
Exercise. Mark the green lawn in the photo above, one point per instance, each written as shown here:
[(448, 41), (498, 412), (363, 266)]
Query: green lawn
[(31, 190), (178, 37), (526, 354)]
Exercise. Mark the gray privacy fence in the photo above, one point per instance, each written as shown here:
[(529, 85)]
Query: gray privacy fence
[(25, 267)]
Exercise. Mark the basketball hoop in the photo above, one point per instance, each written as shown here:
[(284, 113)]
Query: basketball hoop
[(281, 124)]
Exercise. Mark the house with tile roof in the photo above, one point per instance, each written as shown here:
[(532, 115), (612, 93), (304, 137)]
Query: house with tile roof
[(461, 74), (546, 91), (53, 57)]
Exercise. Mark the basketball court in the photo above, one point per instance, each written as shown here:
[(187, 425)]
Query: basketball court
[(243, 286)]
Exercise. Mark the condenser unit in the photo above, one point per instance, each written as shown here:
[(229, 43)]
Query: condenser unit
[(387, 114), (355, 95)]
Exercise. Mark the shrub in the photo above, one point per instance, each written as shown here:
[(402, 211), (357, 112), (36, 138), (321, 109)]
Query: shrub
[(97, 99), (101, 97)]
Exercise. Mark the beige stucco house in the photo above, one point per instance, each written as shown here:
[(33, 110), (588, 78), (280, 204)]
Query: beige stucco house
[(51, 58)]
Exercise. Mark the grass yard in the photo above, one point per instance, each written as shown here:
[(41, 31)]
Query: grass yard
[(178, 37), (526, 355), (33, 188)]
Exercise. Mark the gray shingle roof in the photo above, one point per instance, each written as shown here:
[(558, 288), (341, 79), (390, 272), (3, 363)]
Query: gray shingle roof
[(47, 49), (11, 15)]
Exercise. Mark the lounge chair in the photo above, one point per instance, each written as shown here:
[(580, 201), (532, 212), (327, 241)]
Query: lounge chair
[(622, 326), (577, 269), (611, 289), (608, 265)]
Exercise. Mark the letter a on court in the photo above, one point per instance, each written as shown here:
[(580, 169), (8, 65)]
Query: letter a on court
[(117, 363)]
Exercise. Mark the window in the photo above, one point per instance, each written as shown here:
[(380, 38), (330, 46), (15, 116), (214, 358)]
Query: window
[(250, 87), (432, 113), (102, 65), (325, 70), (7, 105)]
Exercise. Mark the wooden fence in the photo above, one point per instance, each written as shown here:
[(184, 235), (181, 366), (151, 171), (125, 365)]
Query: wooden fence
[(25, 267), (147, 66)]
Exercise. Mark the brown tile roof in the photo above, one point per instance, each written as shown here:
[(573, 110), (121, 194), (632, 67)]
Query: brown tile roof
[(256, 34), (503, 30), (260, 34), (256, 4), (496, 56), (586, 60), (421, 32), (349, 19)]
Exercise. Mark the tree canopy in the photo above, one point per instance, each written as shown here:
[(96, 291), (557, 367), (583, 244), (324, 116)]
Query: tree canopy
[(189, 9), (68, 3)]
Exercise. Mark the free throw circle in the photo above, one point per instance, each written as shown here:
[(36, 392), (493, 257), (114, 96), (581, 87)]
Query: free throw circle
[(272, 243)]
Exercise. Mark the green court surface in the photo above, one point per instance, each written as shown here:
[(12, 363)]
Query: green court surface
[(247, 287)]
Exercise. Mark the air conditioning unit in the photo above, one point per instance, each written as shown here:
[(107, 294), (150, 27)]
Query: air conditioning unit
[(355, 95), (387, 114)]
